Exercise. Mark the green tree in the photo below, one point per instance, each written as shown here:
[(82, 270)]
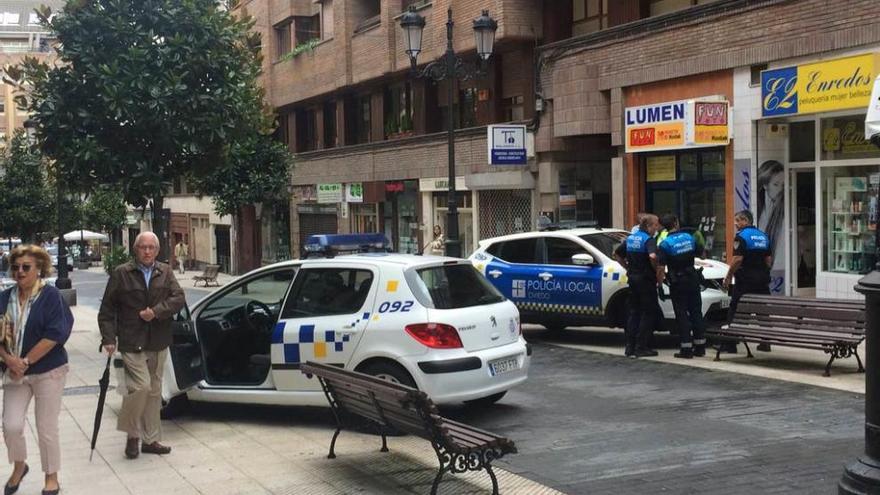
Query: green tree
[(25, 193), (104, 210), (144, 92)]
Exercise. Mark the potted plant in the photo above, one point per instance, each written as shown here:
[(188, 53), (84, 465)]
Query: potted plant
[(406, 126), (391, 129)]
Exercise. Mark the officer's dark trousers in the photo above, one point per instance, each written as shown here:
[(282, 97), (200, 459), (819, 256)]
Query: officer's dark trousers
[(642, 312), (740, 290), (688, 306)]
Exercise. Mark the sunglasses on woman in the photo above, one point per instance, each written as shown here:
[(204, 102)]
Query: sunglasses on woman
[(24, 268)]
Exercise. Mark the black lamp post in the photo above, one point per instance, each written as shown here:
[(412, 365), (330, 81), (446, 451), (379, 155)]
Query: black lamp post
[(862, 476), (449, 68), (62, 282)]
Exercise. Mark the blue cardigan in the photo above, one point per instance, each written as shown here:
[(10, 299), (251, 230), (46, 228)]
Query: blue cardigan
[(50, 318)]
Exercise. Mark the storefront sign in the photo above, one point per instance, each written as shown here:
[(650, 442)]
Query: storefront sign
[(329, 193), (306, 193), (818, 87), (507, 144), (354, 192), (441, 184), (677, 125), (567, 200), (660, 168), (394, 186)]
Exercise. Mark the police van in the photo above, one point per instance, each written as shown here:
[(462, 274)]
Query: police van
[(567, 278), (429, 322)]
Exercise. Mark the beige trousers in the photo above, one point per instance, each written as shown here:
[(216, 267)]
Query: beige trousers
[(46, 389), (139, 416)]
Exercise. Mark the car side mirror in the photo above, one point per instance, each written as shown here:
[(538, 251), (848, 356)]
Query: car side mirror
[(582, 259)]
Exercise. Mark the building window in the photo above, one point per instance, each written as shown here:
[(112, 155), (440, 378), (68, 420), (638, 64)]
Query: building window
[(660, 7), (358, 118), (307, 29), (366, 14), (11, 18), (756, 74), (512, 108), (398, 100), (690, 185), (327, 19), (467, 116), (843, 138), (306, 131), (329, 111), (589, 16), (33, 19), (282, 39)]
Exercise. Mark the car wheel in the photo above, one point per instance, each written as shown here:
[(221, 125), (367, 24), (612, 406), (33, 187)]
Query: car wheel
[(391, 372), (178, 405), (486, 401)]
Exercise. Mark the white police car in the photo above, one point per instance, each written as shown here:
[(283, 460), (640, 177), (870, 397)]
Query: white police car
[(430, 322), (569, 278)]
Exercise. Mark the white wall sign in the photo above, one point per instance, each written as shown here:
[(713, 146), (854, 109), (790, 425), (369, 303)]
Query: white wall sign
[(354, 192), (330, 193), (507, 144)]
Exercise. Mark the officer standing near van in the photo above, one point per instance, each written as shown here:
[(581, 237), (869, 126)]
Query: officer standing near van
[(638, 254), (677, 252), (750, 265)]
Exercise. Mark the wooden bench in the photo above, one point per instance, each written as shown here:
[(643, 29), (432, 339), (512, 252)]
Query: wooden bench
[(836, 327), (393, 407), (209, 276)]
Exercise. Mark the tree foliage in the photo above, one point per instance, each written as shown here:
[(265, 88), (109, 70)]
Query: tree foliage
[(104, 209), (25, 192), (144, 92)]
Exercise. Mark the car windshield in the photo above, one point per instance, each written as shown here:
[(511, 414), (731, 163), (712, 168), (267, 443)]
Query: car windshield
[(605, 242), (456, 286)]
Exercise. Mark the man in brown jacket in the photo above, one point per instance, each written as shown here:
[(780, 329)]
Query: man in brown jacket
[(135, 317)]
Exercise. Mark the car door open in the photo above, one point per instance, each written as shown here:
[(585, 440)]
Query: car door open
[(185, 352)]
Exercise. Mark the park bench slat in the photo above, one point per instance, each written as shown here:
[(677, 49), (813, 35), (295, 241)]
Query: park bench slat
[(389, 405), (836, 327)]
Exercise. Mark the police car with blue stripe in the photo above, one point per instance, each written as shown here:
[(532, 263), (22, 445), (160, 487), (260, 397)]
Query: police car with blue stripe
[(425, 321), (564, 278)]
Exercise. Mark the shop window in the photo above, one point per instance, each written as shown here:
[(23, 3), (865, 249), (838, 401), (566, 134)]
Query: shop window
[(713, 165), (802, 141), (849, 211), (688, 168), (843, 138), (364, 218)]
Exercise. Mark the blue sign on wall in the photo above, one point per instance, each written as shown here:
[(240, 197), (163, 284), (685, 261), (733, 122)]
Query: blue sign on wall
[(507, 145), (779, 92)]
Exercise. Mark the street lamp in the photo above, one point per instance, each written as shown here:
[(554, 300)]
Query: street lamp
[(449, 68), (62, 282), (862, 476)]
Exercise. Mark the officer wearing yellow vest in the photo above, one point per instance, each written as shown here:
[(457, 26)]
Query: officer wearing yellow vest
[(675, 254)]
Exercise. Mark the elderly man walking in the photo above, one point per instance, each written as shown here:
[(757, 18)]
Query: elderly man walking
[(135, 317)]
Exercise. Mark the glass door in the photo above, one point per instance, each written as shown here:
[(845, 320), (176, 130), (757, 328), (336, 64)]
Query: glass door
[(802, 228)]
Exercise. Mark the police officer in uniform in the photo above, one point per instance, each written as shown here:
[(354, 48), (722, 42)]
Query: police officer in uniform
[(638, 255), (750, 265), (677, 252)]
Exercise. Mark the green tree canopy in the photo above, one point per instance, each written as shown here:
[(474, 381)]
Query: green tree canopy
[(25, 192), (104, 209), (144, 92)]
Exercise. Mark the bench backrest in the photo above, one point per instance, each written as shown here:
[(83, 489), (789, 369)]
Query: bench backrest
[(823, 315), (211, 271), (385, 403)]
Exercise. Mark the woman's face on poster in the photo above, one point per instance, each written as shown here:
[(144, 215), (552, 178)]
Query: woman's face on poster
[(776, 185)]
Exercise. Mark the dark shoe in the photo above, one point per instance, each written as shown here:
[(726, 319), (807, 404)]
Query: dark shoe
[(765, 347), (645, 353), (687, 353), (699, 350), (10, 489), (51, 492), (628, 352), (131, 448), (155, 448)]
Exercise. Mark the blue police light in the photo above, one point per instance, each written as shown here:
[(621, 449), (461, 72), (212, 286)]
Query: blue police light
[(334, 244)]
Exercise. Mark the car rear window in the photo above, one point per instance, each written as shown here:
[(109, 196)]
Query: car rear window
[(606, 242), (456, 286)]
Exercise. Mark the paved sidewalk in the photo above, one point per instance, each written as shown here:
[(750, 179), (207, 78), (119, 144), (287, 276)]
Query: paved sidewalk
[(278, 451), (185, 279)]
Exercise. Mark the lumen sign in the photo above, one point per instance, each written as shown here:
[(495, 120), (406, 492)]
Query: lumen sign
[(677, 124), (818, 87)]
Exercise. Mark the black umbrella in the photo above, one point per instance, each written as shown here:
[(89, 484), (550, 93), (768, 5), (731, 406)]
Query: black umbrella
[(103, 383)]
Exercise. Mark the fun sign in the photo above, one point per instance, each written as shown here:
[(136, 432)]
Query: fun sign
[(676, 125)]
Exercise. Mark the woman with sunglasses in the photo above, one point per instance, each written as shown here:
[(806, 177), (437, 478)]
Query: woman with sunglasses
[(35, 361)]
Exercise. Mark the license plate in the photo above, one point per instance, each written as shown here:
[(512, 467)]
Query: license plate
[(502, 366), (725, 303)]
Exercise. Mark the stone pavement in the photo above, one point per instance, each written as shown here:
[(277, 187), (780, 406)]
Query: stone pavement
[(276, 451)]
